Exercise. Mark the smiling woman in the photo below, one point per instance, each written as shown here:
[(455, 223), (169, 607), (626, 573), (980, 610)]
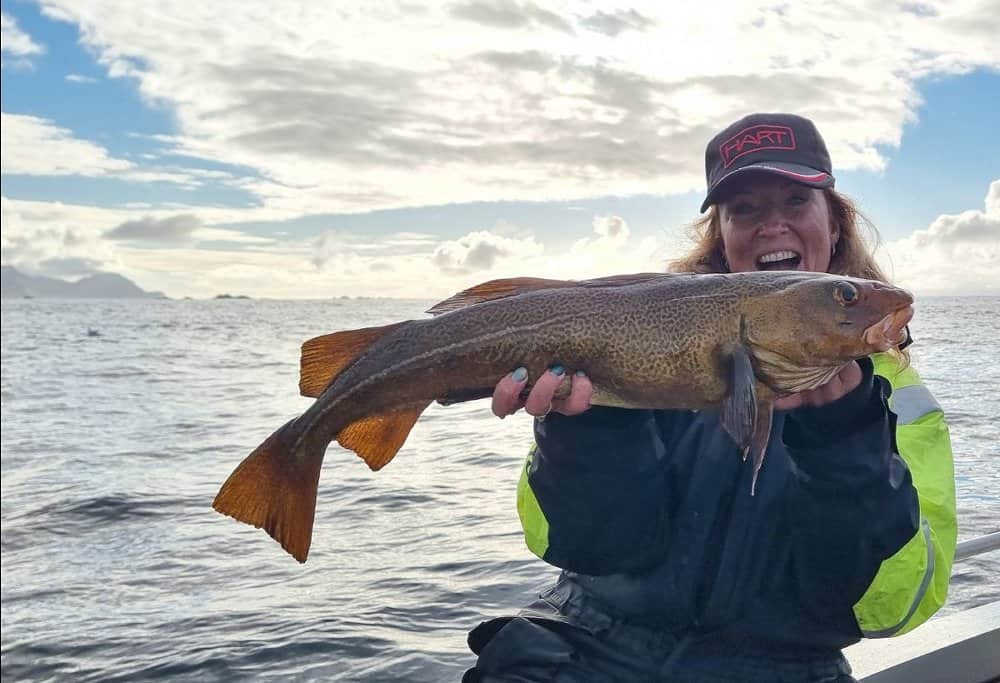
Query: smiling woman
[(777, 212), (671, 572)]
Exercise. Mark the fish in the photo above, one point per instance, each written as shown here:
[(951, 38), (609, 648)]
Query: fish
[(732, 342)]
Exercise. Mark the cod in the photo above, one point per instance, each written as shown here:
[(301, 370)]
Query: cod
[(730, 342)]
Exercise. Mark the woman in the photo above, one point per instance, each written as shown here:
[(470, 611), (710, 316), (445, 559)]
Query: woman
[(672, 572)]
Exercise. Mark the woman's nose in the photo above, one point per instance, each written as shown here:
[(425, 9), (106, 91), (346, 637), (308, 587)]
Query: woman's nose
[(772, 220)]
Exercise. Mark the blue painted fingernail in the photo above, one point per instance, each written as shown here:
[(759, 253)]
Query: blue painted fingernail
[(519, 375), (557, 370)]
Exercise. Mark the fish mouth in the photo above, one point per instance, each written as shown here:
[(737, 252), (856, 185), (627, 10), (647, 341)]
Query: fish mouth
[(783, 259), (890, 331)]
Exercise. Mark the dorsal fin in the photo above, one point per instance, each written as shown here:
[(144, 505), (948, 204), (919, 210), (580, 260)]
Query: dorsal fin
[(325, 357), (377, 438), (622, 280), (499, 289)]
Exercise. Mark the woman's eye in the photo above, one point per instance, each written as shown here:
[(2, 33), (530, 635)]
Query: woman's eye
[(741, 209), (797, 200)]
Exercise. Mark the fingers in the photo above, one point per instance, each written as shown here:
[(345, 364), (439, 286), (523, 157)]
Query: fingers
[(841, 384), (541, 399), (580, 395), (507, 394)]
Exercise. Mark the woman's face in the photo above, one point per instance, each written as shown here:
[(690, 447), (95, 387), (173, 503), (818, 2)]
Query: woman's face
[(770, 223)]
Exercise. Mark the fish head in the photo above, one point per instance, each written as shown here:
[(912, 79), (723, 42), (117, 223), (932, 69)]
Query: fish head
[(819, 320)]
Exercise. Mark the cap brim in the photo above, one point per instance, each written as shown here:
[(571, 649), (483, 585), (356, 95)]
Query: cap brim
[(798, 173)]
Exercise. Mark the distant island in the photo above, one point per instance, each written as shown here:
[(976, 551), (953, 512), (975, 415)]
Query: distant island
[(16, 285), (231, 296)]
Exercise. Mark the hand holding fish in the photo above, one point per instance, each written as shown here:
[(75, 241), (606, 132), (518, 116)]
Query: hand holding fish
[(542, 399), (839, 386)]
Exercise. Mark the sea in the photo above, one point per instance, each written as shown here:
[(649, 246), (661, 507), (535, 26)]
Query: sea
[(121, 418)]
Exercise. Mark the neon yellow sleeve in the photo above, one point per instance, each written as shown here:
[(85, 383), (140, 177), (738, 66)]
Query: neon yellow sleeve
[(913, 584), (536, 527)]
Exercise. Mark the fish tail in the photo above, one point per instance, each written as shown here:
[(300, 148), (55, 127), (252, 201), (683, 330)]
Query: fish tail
[(274, 489)]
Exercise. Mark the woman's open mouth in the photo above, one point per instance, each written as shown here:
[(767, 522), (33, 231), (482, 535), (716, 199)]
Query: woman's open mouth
[(779, 260)]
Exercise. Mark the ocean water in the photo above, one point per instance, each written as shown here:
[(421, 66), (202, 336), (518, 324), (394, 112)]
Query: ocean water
[(122, 418)]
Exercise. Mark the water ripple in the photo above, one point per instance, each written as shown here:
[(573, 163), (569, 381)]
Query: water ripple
[(115, 567)]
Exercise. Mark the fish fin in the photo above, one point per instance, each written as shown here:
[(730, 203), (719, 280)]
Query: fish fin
[(624, 280), (325, 357), (377, 438), (739, 408), (502, 288), (274, 489), (761, 435), (497, 289)]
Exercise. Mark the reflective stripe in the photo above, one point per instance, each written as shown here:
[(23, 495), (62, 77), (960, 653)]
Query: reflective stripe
[(928, 575), (912, 402)]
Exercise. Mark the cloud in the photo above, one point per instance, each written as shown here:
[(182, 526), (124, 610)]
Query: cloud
[(35, 233), (481, 250), (955, 253), (16, 42), (508, 14), (171, 230), (614, 23), (69, 267), (80, 78), (613, 227), (164, 251), (361, 107), (175, 230), (35, 146)]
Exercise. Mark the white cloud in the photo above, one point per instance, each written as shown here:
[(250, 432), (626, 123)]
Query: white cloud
[(482, 251), (166, 251), (55, 238), (14, 41), (957, 253), (80, 78), (349, 108), (36, 146), (612, 227)]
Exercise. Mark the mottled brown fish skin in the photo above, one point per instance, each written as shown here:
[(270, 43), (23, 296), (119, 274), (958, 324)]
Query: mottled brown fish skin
[(664, 341)]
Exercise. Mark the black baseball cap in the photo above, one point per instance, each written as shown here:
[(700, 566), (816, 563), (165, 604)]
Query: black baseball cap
[(783, 144)]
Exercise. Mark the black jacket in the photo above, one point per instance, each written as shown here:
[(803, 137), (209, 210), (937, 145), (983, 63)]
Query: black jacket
[(651, 513)]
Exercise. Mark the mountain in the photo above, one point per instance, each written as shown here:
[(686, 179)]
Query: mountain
[(16, 285)]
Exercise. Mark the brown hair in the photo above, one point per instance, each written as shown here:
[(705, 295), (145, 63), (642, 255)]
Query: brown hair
[(852, 255)]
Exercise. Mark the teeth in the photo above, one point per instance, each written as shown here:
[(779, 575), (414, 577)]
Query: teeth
[(776, 256)]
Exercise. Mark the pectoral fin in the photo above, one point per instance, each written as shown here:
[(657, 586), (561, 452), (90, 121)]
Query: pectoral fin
[(739, 408), (761, 435)]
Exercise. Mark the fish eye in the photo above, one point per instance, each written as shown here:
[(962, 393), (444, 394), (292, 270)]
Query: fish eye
[(846, 293)]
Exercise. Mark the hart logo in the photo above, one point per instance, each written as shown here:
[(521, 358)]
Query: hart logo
[(755, 139)]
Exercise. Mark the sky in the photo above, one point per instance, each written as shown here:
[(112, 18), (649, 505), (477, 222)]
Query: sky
[(313, 150)]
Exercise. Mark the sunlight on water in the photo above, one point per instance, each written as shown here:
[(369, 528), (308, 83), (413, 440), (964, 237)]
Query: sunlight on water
[(115, 567)]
